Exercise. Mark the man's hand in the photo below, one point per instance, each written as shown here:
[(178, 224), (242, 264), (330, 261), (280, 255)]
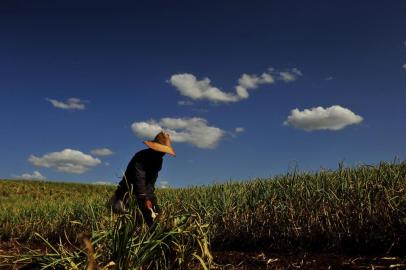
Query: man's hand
[(148, 204)]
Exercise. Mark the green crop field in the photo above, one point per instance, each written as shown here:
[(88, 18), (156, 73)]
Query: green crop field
[(358, 210)]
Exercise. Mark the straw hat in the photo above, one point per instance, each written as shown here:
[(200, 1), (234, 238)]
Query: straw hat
[(161, 143)]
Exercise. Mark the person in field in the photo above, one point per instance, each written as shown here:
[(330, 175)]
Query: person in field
[(140, 177)]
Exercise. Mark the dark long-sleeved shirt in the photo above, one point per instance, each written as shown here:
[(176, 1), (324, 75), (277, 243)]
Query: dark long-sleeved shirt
[(141, 174)]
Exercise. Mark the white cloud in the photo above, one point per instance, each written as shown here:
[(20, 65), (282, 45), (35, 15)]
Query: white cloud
[(290, 75), (36, 175), (404, 66), (194, 131), (103, 183), (163, 184), (101, 152), (185, 103), (329, 78), (68, 160), (70, 104), (239, 129), (188, 85), (319, 118)]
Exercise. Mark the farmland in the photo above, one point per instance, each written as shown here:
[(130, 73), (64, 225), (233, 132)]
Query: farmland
[(357, 211)]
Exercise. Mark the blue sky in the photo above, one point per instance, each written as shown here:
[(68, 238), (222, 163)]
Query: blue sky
[(246, 89)]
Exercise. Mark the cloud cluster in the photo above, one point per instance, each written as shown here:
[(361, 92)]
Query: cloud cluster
[(101, 152), (239, 129), (68, 160), (319, 118), (289, 75), (103, 183), (185, 103), (36, 175), (70, 104), (188, 85), (163, 184), (194, 131)]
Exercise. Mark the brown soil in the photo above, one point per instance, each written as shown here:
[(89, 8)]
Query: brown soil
[(230, 260), (259, 260)]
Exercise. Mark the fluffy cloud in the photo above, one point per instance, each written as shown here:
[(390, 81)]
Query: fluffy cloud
[(103, 183), (70, 104), (163, 184), (185, 103), (194, 131), (36, 175), (290, 75), (239, 129), (188, 85), (404, 66), (68, 160), (319, 118), (101, 152)]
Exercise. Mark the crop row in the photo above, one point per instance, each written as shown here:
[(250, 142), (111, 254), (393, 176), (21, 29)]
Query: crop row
[(360, 209)]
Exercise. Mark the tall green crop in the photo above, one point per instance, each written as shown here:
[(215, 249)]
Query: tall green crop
[(361, 209)]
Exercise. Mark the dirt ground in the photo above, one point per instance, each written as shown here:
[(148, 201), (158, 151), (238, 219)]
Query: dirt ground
[(230, 260), (260, 260)]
